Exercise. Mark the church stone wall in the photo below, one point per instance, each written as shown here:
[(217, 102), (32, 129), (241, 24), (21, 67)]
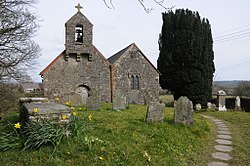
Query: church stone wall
[(134, 63), (64, 77)]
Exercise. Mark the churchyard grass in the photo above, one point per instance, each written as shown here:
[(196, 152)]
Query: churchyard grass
[(122, 138), (239, 124)]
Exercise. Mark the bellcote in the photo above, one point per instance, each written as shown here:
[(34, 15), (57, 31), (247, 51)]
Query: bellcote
[(78, 34)]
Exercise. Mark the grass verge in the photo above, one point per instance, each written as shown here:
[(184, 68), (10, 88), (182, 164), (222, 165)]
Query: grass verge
[(122, 138)]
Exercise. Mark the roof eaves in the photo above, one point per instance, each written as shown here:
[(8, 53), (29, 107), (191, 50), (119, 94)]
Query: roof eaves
[(52, 63)]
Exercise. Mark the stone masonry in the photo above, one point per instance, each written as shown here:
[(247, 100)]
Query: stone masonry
[(81, 68)]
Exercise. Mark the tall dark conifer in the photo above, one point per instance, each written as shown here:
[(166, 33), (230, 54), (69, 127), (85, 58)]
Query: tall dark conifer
[(186, 55)]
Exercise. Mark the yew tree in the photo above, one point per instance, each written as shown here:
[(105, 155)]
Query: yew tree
[(186, 59)]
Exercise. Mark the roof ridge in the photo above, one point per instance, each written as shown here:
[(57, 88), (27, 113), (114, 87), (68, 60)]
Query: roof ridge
[(117, 55)]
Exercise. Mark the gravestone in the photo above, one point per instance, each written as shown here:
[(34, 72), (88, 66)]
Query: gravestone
[(79, 96), (237, 104), (37, 109), (119, 102), (183, 111), (147, 98), (155, 112), (213, 106), (209, 105), (198, 106), (221, 99), (93, 101)]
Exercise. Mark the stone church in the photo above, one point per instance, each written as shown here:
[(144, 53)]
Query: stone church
[(81, 69)]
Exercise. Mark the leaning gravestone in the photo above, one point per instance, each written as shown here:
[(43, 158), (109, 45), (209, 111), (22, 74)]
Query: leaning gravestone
[(183, 111), (93, 101), (237, 104), (155, 112), (38, 109), (119, 102)]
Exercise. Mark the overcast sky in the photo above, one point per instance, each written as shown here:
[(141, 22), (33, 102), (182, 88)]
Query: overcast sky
[(114, 29)]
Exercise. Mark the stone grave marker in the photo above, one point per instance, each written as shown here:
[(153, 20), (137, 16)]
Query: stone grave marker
[(34, 109), (198, 106), (237, 104), (93, 101), (183, 111), (147, 98), (155, 112), (221, 99), (119, 102), (209, 105), (214, 106)]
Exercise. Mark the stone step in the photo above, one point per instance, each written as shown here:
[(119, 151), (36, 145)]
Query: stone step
[(223, 132), (221, 156), (223, 148), (223, 141), (221, 136), (217, 164)]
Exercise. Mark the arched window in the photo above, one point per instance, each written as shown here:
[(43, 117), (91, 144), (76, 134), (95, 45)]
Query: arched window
[(79, 33), (134, 82)]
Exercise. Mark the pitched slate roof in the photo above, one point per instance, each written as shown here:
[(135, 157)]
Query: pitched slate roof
[(113, 59), (116, 56)]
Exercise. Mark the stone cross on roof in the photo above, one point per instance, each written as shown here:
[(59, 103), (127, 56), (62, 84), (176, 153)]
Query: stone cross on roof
[(78, 7)]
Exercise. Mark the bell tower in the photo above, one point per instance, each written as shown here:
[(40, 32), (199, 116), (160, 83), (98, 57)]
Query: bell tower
[(78, 36)]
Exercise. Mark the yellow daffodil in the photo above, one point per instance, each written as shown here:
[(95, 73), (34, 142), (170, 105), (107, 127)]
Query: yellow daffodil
[(35, 110), (101, 158), (74, 113), (73, 108), (90, 117), (80, 108), (57, 99), (67, 102), (64, 117), (102, 148), (17, 125)]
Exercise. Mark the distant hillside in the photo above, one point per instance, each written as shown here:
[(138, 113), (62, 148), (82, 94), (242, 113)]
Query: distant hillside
[(228, 86)]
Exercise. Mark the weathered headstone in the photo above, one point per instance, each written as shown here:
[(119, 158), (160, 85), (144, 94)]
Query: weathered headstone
[(183, 111), (221, 99), (198, 106), (155, 112), (147, 98), (119, 102), (93, 101), (237, 104), (34, 110), (209, 105)]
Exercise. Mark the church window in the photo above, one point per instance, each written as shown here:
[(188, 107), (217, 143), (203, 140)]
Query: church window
[(79, 33), (134, 82)]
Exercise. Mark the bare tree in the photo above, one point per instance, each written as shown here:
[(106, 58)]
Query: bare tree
[(18, 51), (109, 4)]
